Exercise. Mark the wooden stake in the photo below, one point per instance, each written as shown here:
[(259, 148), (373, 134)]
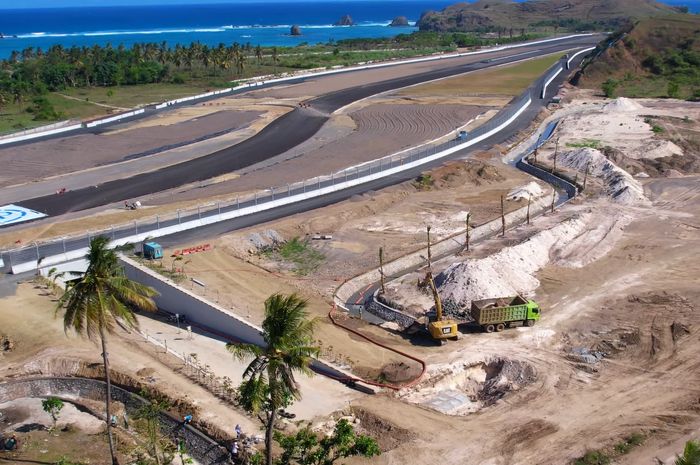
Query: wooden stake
[(466, 243), (503, 218), (554, 196), (381, 267), (529, 199), (429, 254)]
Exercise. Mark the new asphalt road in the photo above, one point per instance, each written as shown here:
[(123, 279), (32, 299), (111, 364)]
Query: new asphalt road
[(278, 137)]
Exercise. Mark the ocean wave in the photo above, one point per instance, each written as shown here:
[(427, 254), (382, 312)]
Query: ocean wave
[(37, 35)]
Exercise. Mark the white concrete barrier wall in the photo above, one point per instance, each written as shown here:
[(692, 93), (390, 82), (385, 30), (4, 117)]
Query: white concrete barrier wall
[(586, 50), (193, 224), (111, 119), (549, 81), (58, 130)]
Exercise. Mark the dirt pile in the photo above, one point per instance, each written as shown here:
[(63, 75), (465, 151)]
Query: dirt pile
[(530, 190), (619, 184), (466, 387), (510, 271)]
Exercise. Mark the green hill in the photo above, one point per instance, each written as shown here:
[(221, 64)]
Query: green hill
[(504, 16), (659, 57)]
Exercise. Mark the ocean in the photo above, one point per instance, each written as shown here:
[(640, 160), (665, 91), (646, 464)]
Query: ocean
[(264, 23), (261, 23)]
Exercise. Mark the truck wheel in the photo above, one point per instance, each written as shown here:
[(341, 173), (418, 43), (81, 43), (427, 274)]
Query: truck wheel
[(530, 323), (490, 328), (500, 327)]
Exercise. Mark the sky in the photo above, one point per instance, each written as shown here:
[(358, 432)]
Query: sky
[(5, 4)]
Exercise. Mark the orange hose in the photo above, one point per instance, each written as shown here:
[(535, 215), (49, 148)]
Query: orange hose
[(367, 338)]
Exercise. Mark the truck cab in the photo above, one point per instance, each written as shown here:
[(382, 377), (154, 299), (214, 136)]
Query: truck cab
[(533, 310)]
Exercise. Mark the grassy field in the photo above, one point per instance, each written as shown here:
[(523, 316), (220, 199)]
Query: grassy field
[(507, 81), (93, 102), (656, 56)]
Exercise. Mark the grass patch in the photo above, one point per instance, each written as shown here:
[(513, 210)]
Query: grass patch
[(625, 446), (300, 253), (506, 81), (593, 457), (424, 182), (605, 457), (585, 143)]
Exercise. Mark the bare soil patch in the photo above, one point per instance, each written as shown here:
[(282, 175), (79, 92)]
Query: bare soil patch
[(381, 130), (58, 156)]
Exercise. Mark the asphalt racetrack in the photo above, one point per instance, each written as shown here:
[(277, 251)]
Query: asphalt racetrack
[(281, 135)]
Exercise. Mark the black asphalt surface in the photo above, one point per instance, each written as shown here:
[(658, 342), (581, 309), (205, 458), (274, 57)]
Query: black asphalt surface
[(505, 136), (278, 137)]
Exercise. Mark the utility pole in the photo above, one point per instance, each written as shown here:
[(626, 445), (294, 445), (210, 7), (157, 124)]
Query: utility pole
[(529, 199), (503, 218), (556, 151), (381, 267), (585, 176)]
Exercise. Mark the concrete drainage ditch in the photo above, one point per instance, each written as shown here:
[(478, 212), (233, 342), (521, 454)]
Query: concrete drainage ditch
[(462, 388)]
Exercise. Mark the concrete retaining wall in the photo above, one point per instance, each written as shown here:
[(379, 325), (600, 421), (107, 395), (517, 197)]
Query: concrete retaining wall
[(208, 315), (199, 446)]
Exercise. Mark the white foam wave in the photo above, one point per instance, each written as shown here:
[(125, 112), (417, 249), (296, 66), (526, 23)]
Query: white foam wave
[(33, 35)]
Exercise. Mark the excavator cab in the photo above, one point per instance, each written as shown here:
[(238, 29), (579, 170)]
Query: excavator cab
[(445, 329)]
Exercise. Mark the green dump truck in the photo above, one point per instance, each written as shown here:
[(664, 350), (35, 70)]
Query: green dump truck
[(500, 313)]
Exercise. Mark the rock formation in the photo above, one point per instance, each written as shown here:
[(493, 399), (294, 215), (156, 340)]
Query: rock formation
[(399, 21), (296, 30), (346, 20)]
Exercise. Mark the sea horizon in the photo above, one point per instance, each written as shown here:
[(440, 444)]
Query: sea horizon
[(255, 22), (263, 23)]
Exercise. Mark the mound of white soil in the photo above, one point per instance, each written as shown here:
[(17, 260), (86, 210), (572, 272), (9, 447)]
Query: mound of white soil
[(619, 184), (510, 271), (622, 104), (531, 189)]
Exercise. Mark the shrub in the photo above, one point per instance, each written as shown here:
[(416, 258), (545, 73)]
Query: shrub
[(593, 458), (43, 110), (609, 87)]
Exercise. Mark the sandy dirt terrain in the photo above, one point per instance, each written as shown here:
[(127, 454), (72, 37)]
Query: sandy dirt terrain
[(379, 130), (29, 162)]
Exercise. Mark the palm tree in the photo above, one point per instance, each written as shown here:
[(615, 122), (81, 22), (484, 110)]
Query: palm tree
[(691, 454), (269, 382), (98, 300)]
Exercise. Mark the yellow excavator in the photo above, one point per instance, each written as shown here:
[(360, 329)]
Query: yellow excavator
[(441, 328)]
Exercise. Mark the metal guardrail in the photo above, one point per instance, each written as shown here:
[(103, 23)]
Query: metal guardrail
[(64, 249)]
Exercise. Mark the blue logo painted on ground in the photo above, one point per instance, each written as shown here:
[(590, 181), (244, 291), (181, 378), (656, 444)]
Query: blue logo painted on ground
[(11, 214)]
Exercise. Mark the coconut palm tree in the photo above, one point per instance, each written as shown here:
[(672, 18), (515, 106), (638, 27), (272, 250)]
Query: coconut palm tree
[(269, 383), (100, 299), (691, 454)]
